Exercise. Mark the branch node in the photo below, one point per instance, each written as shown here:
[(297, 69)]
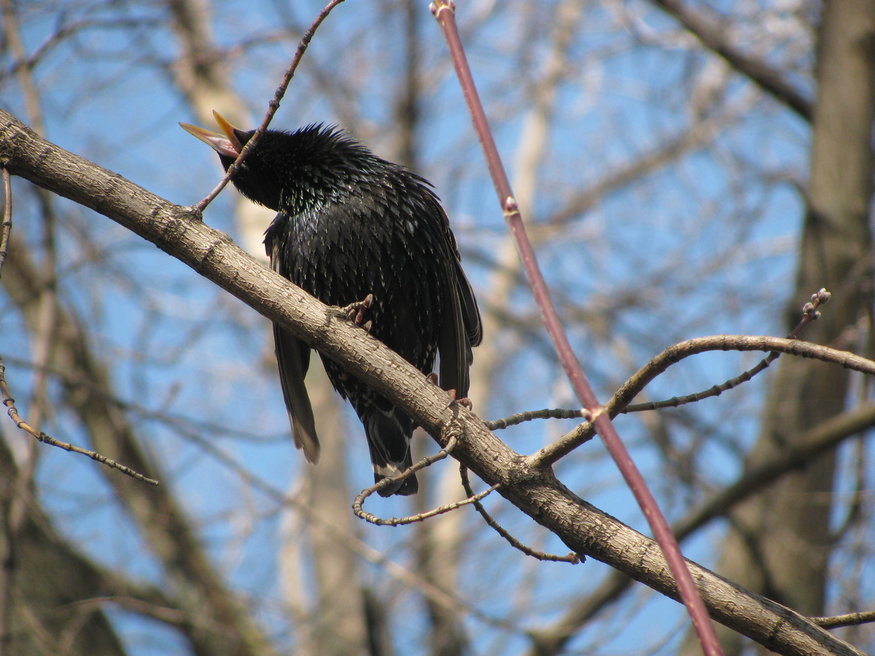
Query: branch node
[(439, 6)]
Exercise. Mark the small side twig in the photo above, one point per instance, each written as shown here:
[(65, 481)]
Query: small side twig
[(6, 224), (673, 354), (273, 106), (848, 619), (572, 558), (529, 415), (12, 411), (410, 519), (810, 313), (716, 390)]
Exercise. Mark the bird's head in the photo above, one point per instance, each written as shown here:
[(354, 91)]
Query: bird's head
[(257, 178)]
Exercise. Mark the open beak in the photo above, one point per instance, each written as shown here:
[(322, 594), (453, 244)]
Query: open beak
[(225, 143)]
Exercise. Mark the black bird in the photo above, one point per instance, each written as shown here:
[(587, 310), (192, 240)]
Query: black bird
[(350, 225)]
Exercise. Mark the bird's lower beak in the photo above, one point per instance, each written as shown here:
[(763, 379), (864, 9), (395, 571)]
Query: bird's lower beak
[(226, 144)]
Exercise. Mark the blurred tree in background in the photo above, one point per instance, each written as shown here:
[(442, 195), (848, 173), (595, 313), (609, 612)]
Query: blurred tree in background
[(686, 169)]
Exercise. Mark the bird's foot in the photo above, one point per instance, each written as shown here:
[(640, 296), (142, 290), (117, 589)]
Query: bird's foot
[(465, 402), (357, 312)]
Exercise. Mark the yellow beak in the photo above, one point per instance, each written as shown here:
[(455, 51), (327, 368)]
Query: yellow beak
[(225, 143)]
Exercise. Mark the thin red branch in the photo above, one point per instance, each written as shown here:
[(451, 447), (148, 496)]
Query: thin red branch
[(444, 12)]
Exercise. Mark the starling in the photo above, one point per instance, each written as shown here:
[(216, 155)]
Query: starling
[(351, 226)]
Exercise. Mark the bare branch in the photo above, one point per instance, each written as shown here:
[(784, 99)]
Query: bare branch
[(522, 417), (6, 223), (572, 558), (714, 37), (673, 354), (848, 619), (809, 313), (16, 418)]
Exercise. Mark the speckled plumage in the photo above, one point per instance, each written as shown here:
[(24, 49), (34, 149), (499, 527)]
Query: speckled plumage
[(351, 224)]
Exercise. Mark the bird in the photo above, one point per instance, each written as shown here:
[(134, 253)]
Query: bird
[(350, 228)]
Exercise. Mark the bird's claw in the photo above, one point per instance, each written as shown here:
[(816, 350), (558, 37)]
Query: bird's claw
[(356, 312), (465, 402)]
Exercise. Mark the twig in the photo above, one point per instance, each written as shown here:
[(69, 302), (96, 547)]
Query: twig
[(640, 379), (849, 619), (810, 313), (572, 558), (6, 225), (410, 519), (12, 411), (570, 441), (273, 106), (444, 12), (529, 415)]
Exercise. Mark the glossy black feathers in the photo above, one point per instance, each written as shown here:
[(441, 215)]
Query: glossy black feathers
[(351, 224)]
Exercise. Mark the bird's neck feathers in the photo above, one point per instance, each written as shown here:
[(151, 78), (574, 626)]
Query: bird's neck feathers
[(294, 172)]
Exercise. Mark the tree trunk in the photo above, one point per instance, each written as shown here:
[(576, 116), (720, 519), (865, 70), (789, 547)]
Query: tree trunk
[(780, 541)]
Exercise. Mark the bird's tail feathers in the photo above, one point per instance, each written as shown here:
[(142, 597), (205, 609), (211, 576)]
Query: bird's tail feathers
[(388, 432), (304, 435), (293, 358)]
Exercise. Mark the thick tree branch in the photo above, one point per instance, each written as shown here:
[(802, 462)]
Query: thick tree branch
[(552, 639), (582, 527)]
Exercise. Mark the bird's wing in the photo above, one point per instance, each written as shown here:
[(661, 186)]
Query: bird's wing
[(461, 328), (293, 359), (470, 311)]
